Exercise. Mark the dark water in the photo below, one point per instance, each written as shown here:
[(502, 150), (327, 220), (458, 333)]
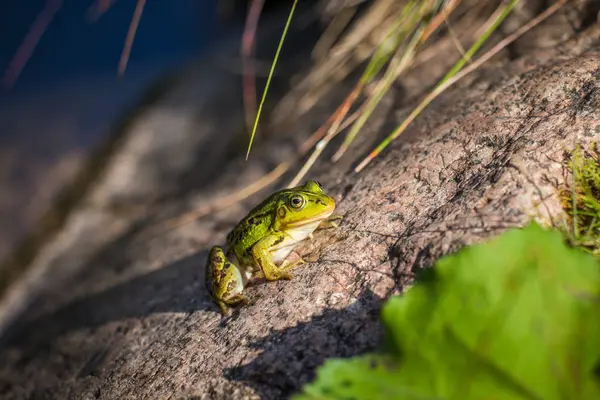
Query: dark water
[(74, 66), (69, 95)]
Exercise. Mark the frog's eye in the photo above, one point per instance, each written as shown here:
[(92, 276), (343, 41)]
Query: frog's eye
[(297, 201)]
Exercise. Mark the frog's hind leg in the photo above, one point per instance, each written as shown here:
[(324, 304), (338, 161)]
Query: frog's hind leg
[(224, 280)]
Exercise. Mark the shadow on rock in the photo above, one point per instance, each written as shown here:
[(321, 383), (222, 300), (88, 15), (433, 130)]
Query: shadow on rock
[(291, 356), (178, 287)]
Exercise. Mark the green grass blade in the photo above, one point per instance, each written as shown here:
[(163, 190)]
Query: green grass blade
[(396, 68), (396, 35), (480, 41), (264, 95), (400, 63), (402, 127)]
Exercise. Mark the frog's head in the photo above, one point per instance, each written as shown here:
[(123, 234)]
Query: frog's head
[(302, 206)]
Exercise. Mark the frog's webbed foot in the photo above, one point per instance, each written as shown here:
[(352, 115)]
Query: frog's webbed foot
[(286, 265), (280, 275), (225, 307)]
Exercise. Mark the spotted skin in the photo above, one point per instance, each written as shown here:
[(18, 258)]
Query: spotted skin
[(261, 241), (223, 280)]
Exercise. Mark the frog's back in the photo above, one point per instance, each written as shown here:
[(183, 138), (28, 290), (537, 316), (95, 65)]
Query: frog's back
[(256, 225), (248, 232)]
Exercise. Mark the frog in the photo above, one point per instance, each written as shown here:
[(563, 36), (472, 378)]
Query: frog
[(261, 242)]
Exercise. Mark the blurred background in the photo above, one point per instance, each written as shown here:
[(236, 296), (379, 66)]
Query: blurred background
[(65, 99)]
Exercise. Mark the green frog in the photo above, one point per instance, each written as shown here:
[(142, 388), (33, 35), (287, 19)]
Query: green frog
[(264, 238)]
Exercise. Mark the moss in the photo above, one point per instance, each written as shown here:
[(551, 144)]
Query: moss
[(580, 198)]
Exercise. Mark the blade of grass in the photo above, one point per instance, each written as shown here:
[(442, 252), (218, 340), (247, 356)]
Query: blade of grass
[(332, 33), (381, 56), (264, 95), (480, 41), (441, 17), (449, 82), (341, 112), (30, 42), (455, 39), (98, 9), (133, 26), (321, 146), (394, 38), (401, 61), (573, 191)]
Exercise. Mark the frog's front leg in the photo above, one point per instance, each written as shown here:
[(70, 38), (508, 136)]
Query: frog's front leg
[(332, 221), (286, 265), (223, 280), (261, 253)]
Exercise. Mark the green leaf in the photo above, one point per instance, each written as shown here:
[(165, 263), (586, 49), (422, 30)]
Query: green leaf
[(515, 318)]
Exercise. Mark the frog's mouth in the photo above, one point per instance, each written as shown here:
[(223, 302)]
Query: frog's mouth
[(317, 218)]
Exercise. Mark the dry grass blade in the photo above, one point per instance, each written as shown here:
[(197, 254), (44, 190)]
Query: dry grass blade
[(331, 133), (455, 39), (98, 9), (399, 64), (133, 26), (31, 41), (334, 129), (449, 82), (341, 60), (440, 18), (249, 82), (332, 33)]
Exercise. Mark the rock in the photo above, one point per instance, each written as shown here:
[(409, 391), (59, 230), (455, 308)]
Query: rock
[(135, 320)]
